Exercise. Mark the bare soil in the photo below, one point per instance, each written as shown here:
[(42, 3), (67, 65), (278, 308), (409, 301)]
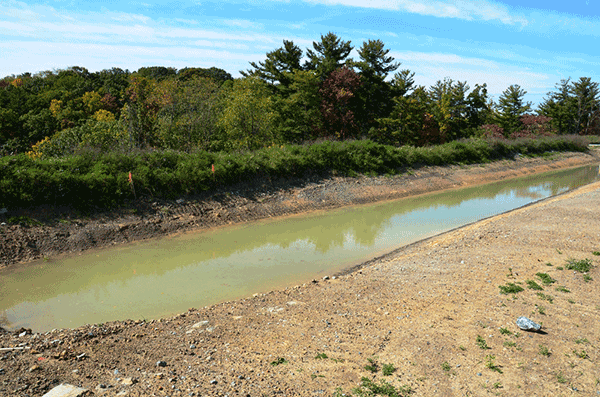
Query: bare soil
[(433, 311)]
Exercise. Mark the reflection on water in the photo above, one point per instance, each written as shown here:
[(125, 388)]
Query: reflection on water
[(169, 275)]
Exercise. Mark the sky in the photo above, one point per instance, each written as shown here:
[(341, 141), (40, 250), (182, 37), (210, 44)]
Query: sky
[(534, 44)]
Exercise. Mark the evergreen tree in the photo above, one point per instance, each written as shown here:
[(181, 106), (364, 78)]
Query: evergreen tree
[(329, 54), (586, 93), (278, 66), (374, 66), (561, 107), (510, 108)]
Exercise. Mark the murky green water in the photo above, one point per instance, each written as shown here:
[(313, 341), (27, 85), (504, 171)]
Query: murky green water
[(170, 275)]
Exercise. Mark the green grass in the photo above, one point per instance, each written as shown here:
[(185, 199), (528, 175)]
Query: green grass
[(508, 343), (510, 288), (491, 364), (279, 361), (446, 366), (581, 354), (597, 253), (545, 278), (581, 265), (548, 298), (368, 388), (505, 331), (581, 340), (533, 285), (481, 343), (321, 356), (372, 366), (560, 378), (587, 278), (387, 369), (541, 310), (544, 351), (560, 288)]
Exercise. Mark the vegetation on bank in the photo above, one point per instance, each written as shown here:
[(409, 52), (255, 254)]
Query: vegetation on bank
[(93, 179)]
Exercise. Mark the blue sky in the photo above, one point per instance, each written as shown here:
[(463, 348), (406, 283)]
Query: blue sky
[(530, 43)]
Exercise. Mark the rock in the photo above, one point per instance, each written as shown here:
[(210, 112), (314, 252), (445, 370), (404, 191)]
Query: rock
[(128, 381), (527, 325), (34, 368), (161, 363), (65, 390), (200, 324)]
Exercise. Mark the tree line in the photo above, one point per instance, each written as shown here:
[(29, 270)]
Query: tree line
[(293, 96)]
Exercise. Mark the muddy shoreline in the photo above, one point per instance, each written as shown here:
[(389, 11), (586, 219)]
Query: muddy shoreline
[(59, 231)]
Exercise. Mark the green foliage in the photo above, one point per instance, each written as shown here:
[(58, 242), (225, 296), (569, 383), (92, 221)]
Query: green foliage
[(248, 117), (533, 285), (446, 366), (369, 388), (372, 366), (279, 361), (388, 369), (581, 265), (510, 109), (549, 298), (491, 364), (545, 278), (510, 288), (544, 351), (505, 331), (481, 343), (321, 356), (94, 178), (560, 288)]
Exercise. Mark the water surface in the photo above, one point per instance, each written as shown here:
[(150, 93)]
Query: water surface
[(169, 275)]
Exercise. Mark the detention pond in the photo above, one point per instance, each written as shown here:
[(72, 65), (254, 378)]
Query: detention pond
[(166, 276)]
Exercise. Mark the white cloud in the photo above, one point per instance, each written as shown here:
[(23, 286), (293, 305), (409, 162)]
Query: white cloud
[(461, 9)]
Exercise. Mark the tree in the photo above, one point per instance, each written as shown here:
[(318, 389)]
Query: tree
[(450, 107), (248, 117), (410, 122), (298, 113), (158, 73), (278, 66), (339, 104), (586, 93), (190, 120), (374, 66), (510, 108), (219, 76), (561, 107), (329, 54)]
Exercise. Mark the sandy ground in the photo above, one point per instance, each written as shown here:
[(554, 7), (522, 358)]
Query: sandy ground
[(428, 319)]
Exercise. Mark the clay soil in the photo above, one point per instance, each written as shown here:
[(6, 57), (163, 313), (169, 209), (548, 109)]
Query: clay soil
[(427, 319)]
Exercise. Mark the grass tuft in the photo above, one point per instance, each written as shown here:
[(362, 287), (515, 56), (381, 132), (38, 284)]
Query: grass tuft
[(510, 288), (581, 266)]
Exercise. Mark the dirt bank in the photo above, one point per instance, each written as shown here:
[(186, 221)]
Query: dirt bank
[(432, 314), (54, 231)]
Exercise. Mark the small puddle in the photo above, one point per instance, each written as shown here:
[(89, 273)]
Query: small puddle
[(169, 275)]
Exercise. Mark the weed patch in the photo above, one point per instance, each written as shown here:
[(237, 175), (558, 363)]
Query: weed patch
[(560, 288), (481, 343), (369, 388), (533, 285), (388, 369), (491, 364), (510, 288), (544, 351), (543, 296), (545, 278), (279, 361), (581, 265)]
